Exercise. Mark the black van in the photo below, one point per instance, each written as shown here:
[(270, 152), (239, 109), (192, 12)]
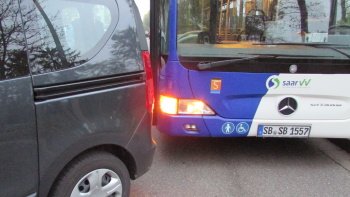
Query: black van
[(76, 97)]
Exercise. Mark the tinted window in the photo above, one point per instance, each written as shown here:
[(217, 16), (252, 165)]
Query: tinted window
[(68, 33), (13, 56)]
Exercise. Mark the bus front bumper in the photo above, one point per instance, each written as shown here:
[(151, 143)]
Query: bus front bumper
[(216, 126)]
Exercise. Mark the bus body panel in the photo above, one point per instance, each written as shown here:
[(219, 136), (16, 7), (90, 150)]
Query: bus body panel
[(238, 97), (174, 125), (252, 99), (171, 78), (253, 95), (319, 97)]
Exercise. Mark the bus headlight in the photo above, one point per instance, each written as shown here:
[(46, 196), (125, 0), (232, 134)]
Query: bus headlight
[(174, 106)]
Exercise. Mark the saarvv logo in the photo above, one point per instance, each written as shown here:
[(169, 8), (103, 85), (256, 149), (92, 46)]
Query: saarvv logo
[(273, 82)]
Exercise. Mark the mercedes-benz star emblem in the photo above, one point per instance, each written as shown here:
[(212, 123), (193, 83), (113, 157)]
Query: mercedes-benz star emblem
[(288, 106)]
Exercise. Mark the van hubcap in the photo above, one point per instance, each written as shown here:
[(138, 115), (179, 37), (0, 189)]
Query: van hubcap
[(101, 182)]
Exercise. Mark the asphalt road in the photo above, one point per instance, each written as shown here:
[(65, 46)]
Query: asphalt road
[(211, 167)]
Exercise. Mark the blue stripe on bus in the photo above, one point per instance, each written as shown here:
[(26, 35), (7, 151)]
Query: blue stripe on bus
[(237, 102)]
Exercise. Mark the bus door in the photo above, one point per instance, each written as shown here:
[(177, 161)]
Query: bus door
[(263, 68)]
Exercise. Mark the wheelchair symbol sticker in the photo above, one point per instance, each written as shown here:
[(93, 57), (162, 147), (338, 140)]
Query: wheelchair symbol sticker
[(242, 128), (228, 128)]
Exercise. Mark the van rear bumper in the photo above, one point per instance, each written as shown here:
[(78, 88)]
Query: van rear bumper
[(142, 146)]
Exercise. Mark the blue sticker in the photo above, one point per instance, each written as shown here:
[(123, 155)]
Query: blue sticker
[(215, 92), (242, 128), (260, 130), (228, 128)]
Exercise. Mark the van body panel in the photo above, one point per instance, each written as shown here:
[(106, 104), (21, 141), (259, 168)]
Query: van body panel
[(70, 125), (18, 138), (60, 99)]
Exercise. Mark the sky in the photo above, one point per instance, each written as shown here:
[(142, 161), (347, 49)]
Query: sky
[(143, 6)]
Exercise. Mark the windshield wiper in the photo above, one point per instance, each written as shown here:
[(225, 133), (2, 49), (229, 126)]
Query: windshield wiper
[(337, 50), (313, 44), (204, 66), (209, 65), (316, 45)]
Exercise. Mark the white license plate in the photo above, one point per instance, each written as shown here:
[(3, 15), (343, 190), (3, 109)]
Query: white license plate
[(283, 131)]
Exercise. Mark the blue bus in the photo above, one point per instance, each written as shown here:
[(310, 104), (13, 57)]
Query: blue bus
[(263, 68)]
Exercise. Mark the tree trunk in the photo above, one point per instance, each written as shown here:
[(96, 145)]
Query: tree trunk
[(343, 10), (213, 21), (303, 17), (241, 14)]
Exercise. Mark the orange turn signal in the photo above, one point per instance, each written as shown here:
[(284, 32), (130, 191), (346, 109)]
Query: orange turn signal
[(168, 105)]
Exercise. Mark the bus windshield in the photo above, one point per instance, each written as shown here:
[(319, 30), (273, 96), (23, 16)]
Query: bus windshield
[(237, 28)]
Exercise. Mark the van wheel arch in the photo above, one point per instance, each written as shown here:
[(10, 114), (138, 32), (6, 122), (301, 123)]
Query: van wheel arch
[(119, 152)]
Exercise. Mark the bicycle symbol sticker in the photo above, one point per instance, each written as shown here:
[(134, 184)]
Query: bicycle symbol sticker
[(242, 128), (228, 128)]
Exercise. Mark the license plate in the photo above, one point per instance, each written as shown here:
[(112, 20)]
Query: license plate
[(283, 131)]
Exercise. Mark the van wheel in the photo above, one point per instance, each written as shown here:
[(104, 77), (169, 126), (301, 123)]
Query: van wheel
[(94, 174)]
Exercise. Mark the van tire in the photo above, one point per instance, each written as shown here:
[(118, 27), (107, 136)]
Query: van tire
[(103, 168)]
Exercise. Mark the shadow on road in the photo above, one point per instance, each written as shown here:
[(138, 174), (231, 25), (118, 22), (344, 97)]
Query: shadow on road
[(250, 149), (342, 143)]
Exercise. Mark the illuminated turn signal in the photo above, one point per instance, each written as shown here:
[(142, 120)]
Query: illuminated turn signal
[(168, 105), (174, 106)]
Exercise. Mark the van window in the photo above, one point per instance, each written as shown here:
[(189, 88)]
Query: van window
[(13, 55), (71, 32)]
